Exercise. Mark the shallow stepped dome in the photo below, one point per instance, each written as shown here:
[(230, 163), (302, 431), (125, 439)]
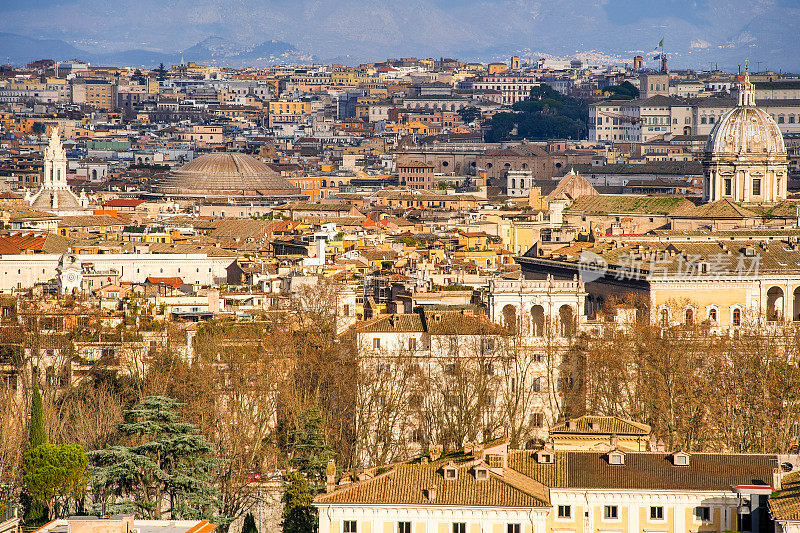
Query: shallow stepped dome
[(226, 174), (745, 159)]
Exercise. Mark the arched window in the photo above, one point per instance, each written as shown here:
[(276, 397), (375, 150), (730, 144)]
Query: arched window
[(689, 317), (664, 318), (537, 320), (775, 309), (510, 316), (712, 316), (737, 317), (567, 320)]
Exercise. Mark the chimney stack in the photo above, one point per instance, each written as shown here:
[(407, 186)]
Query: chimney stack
[(330, 471)]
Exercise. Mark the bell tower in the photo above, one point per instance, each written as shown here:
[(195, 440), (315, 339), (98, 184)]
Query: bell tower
[(55, 163)]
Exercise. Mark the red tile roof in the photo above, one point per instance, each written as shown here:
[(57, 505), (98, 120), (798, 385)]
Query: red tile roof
[(175, 282)]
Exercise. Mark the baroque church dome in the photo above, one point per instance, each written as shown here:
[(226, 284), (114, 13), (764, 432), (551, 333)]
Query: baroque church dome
[(746, 129), (226, 174), (745, 160)]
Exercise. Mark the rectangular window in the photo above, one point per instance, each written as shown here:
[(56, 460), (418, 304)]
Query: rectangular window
[(459, 527), (514, 528), (404, 527), (349, 526), (610, 512), (565, 511), (412, 344), (376, 343), (756, 186), (702, 513), (656, 513), (728, 187)]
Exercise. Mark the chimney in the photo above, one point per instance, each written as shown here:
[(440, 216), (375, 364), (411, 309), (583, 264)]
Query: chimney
[(330, 471), (776, 479), (430, 493), (613, 442)]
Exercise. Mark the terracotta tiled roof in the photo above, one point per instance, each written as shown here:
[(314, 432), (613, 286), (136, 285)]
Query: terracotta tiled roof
[(619, 204), (82, 221), (174, 282), (408, 484), (407, 323), (784, 505), (720, 209), (22, 242), (602, 424), (646, 471)]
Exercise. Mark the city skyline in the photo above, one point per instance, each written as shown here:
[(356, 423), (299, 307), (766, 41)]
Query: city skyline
[(696, 34)]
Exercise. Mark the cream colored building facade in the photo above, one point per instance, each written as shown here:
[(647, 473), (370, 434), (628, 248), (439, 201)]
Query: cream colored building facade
[(496, 490)]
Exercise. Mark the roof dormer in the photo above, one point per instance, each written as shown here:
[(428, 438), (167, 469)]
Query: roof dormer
[(545, 457), (616, 457), (450, 472), (680, 459), (481, 473)]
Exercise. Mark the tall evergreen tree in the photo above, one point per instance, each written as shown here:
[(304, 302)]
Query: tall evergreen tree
[(249, 525), (309, 450), (37, 432), (299, 515), (167, 461), (309, 454), (35, 512)]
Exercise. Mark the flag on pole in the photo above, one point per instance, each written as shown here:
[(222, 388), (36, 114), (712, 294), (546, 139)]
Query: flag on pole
[(661, 42)]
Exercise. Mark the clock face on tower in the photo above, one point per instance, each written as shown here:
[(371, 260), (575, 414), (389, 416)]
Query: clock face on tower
[(71, 276)]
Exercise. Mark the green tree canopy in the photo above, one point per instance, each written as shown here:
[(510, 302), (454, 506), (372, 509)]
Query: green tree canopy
[(161, 72), (299, 515), (54, 473), (167, 461), (623, 91), (469, 114), (310, 452), (546, 114)]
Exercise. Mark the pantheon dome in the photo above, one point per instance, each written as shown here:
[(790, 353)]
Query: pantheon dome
[(226, 174), (745, 159)]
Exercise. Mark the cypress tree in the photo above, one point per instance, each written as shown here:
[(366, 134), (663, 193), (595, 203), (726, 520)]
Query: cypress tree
[(34, 512), (38, 433), (249, 525)]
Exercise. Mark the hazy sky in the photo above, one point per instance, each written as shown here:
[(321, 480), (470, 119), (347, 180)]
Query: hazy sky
[(695, 32)]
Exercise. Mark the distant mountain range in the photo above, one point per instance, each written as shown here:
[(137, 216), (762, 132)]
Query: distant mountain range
[(20, 50)]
